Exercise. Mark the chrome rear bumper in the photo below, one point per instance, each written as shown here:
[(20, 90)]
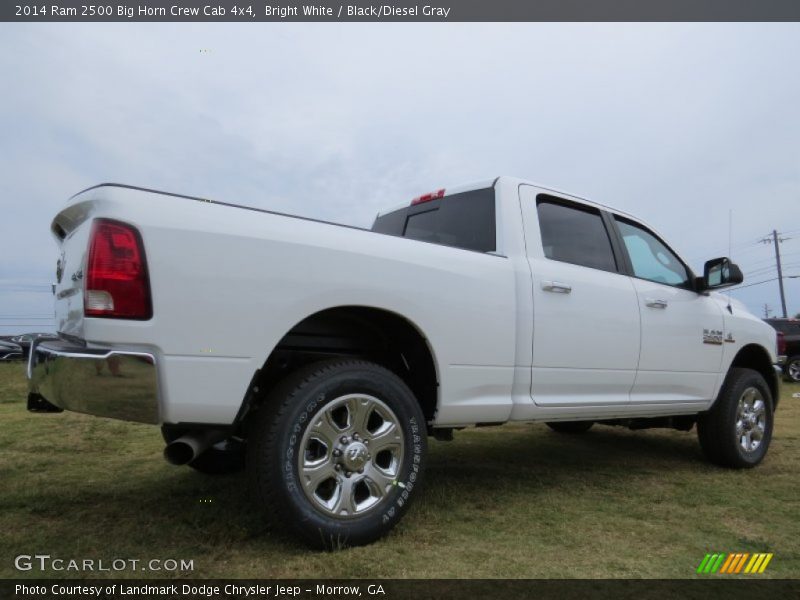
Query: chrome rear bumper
[(105, 382)]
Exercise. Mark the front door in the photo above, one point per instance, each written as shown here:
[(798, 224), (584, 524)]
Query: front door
[(682, 331)]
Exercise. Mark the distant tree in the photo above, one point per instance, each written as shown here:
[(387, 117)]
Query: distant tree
[(797, 316)]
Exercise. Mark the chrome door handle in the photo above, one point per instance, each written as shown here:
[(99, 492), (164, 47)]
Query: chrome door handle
[(557, 287), (655, 303)]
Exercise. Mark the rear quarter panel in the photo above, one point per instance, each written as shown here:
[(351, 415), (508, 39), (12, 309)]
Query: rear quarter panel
[(228, 283)]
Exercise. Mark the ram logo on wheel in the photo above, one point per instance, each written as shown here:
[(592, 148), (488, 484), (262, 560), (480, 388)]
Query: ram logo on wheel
[(357, 456)]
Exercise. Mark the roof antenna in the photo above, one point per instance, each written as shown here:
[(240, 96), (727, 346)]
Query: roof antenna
[(730, 234)]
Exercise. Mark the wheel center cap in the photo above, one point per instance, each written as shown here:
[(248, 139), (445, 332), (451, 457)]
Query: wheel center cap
[(354, 456)]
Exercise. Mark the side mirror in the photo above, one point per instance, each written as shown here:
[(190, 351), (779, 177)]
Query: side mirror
[(721, 273)]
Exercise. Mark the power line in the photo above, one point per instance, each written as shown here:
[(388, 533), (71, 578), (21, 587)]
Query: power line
[(770, 268), (759, 270), (741, 247), (744, 247), (740, 287), (766, 259)]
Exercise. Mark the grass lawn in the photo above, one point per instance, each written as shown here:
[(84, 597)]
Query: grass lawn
[(512, 501)]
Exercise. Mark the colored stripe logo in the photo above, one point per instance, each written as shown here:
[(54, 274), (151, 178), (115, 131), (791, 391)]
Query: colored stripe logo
[(734, 563)]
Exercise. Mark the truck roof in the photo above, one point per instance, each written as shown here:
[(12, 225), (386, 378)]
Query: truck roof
[(485, 183)]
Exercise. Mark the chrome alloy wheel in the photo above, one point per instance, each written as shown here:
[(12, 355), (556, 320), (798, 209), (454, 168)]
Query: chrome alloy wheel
[(751, 419), (350, 455)]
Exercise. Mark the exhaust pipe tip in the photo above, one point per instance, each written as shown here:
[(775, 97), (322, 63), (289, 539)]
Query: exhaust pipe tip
[(190, 446), (179, 453)]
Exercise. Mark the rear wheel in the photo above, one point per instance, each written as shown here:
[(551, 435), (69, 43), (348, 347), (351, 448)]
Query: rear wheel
[(736, 432), (570, 426), (337, 451)]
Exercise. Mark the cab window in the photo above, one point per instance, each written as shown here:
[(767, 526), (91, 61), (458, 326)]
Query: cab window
[(464, 220), (574, 234), (650, 258)]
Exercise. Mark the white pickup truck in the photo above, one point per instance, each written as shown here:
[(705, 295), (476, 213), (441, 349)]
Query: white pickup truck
[(321, 356)]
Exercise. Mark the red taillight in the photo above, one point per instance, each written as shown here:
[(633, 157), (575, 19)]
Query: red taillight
[(117, 284), (781, 343), (428, 197)]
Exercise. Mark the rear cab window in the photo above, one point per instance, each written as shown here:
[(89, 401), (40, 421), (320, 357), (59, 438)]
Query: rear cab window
[(463, 220)]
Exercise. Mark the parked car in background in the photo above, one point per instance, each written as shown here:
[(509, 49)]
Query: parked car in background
[(10, 351), (790, 328), (24, 340)]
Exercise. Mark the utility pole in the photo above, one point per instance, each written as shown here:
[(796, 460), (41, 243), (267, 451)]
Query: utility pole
[(776, 241), (767, 310)]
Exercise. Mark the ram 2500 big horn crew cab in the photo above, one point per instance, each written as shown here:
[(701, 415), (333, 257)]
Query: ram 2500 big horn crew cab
[(321, 356)]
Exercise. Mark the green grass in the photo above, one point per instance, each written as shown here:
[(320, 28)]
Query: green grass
[(513, 501)]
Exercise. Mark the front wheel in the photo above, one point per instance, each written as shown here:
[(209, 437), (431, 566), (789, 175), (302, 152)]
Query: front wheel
[(337, 452), (736, 432)]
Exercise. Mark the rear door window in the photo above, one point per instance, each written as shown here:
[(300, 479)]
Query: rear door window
[(574, 234)]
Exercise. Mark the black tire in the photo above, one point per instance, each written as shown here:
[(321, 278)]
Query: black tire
[(296, 409), (571, 427), (224, 458), (717, 429), (792, 368)]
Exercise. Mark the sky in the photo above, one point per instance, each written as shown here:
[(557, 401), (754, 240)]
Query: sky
[(694, 128)]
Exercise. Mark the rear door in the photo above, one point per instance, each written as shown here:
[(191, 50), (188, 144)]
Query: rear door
[(585, 310), (682, 331)]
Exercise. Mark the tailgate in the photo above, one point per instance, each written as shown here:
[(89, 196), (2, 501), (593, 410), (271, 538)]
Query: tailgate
[(71, 229)]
